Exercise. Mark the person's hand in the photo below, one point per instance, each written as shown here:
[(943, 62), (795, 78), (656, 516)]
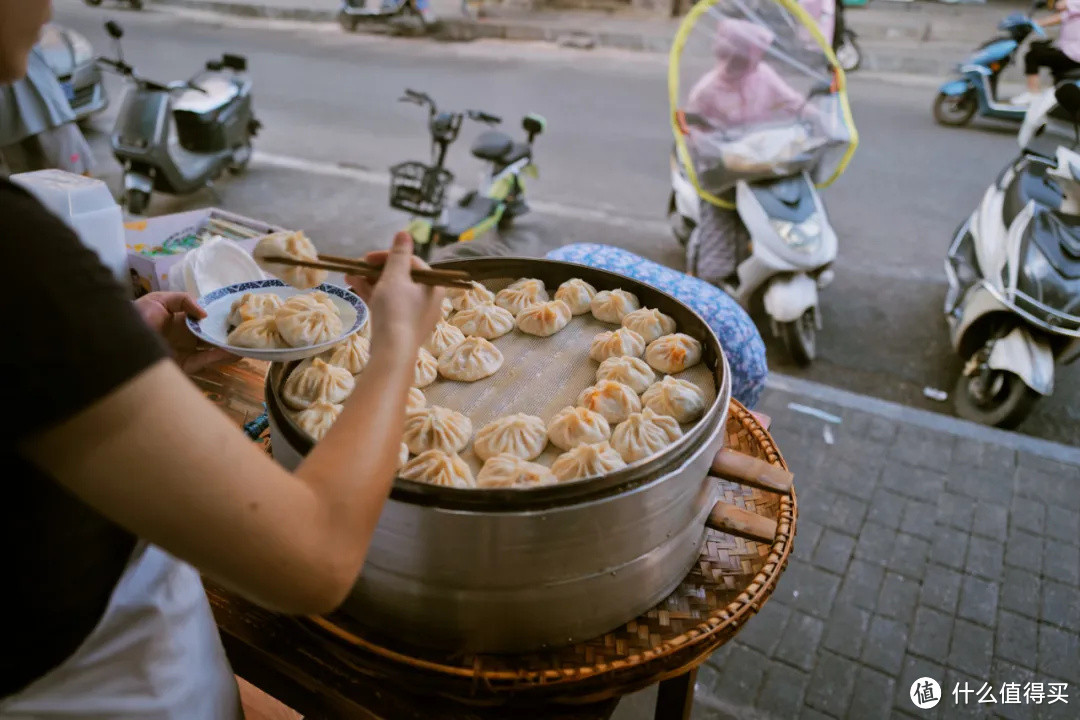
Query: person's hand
[(166, 313), (400, 308)]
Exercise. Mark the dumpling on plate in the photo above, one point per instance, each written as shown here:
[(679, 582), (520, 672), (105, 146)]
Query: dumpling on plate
[(643, 434), (250, 306), (444, 337), (673, 353), (437, 428), (447, 307), (615, 343), (544, 319), (649, 323), (318, 419), (521, 294), (472, 360), (260, 333), (416, 400), (573, 426), (436, 467), (630, 371), (613, 305), (587, 460), (613, 400), (681, 399), (577, 294), (352, 354), (403, 456), (427, 369), (314, 381), (305, 320), (294, 246), (465, 298), (506, 470), (485, 320), (520, 435)]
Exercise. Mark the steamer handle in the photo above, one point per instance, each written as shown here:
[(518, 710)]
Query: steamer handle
[(746, 469), (728, 518)]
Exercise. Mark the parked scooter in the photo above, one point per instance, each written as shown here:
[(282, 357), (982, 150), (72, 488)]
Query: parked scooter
[(133, 4), (1013, 304), (420, 189), (976, 90), (354, 12), (214, 120)]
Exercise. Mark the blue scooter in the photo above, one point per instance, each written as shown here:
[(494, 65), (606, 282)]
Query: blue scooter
[(976, 89)]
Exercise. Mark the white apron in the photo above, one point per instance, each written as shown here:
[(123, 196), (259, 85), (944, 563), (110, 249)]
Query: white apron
[(154, 655)]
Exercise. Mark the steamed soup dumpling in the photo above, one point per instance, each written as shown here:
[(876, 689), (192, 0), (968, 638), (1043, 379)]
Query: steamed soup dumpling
[(613, 400), (649, 323), (352, 354), (486, 320), (416, 400), (437, 428), (681, 399), (436, 467), (305, 320), (673, 353), (314, 381), (463, 299), (586, 461), (544, 319), (506, 471), (521, 435), (260, 333), (447, 307), (294, 246), (427, 369), (613, 305), (643, 434), (318, 419), (251, 306), (444, 337), (577, 294), (573, 426), (521, 294), (472, 360), (615, 343), (630, 371), (403, 456)]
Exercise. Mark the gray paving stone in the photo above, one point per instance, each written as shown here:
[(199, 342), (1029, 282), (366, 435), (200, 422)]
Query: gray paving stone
[(1017, 640), (985, 558), (991, 521), (832, 684), (846, 629), (1026, 461), (1061, 562), (941, 588), (949, 547), (971, 708), (922, 448), (1058, 653), (809, 713), (886, 508), (898, 597), (875, 544), (743, 672), (846, 514), (909, 556), (969, 453), (856, 477), (978, 600), (1028, 514), (834, 551), (799, 645), (1060, 606), (807, 534), (783, 691), (1021, 592), (1006, 672), (809, 589), (971, 649), (873, 696), (916, 668), (1063, 524), (885, 643), (920, 519), (764, 630), (913, 482), (1024, 550), (955, 511), (1049, 489), (930, 635), (862, 583)]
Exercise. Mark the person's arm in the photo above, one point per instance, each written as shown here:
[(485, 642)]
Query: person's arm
[(1050, 20), (157, 458)]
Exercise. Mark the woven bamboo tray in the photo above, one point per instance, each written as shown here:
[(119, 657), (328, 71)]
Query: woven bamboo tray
[(731, 582)]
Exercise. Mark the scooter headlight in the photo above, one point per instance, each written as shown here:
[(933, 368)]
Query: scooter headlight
[(803, 237)]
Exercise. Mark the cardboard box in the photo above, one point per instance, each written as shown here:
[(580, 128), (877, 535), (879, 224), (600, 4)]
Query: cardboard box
[(157, 244)]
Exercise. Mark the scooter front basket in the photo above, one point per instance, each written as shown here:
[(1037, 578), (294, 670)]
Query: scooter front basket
[(418, 188)]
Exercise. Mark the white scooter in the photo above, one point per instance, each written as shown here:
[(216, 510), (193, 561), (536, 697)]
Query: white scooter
[(792, 248), (1013, 304)]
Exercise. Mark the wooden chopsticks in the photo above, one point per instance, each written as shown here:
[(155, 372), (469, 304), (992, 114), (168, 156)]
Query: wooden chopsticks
[(350, 266)]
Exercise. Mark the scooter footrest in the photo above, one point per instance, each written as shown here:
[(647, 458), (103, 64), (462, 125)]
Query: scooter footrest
[(461, 218)]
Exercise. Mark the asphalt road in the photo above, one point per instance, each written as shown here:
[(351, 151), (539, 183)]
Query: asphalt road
[(332, 126)]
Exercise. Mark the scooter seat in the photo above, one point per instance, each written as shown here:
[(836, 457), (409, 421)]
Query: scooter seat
[(219, 92), (461, 218), (500, 148), (1029, 184), (1058, 237)]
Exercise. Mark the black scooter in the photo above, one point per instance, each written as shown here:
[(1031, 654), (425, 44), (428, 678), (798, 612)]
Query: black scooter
[(214, 120)]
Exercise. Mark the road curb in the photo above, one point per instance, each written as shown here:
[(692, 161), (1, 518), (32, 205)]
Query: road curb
[(253, 10)]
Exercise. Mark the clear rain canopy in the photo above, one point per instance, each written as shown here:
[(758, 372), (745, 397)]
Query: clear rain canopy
[(756, 94)]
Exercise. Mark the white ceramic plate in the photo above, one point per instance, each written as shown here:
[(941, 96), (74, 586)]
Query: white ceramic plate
[(213, 329)]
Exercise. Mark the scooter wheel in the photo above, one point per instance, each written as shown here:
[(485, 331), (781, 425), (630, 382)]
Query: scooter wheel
[(955, 111), (1001, 400), (849, 55), (800, 338), (348, 22), (136, 4), (92, 3), (136, 201)]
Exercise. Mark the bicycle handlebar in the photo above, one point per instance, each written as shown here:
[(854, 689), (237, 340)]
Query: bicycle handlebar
[(481, 116)]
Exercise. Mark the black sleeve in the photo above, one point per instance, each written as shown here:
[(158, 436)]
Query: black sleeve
[(71, 335)]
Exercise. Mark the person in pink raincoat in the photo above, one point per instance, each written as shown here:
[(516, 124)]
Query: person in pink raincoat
[(824, 14)]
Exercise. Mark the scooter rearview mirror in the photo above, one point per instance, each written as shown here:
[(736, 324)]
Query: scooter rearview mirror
[(113, 28)]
